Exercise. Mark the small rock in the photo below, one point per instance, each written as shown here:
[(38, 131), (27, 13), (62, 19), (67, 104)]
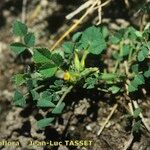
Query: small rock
[(82, 107), (44, 3), (88, 127), (91, 126)]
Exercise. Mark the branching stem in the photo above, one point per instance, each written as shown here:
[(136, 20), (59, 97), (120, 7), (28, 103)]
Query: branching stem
[(64, 95)]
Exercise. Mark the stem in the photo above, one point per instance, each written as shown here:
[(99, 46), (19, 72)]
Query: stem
[(130, 54), (64, 95), (86, 52), (59, 92), (103, 90), (116, 66), (107, 119), (118, 61), (37, 88), (24, 4)]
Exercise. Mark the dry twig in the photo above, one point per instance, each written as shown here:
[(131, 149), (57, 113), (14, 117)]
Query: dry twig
[(78, 10), (127, 3), (130, 108), (141, 116), (73, 27), (108, 118), (89, 10), (24, 3), (36, 12), (99, 12), (129, 142)]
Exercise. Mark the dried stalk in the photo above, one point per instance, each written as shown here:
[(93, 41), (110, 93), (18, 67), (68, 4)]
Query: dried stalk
[(78, 10), (108, 118), (89, 10), (73, 27)]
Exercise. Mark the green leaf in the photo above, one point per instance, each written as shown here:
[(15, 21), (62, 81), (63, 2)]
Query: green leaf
[(76, 36), (19, 79), (108, 76), (143, 53), (19, 99), (147, 73), (41, 55), (114, 40), (55, 97), (18, 48), (58, 83), (117, 56), (137, 112), (93, 40), (29, 39), (35, 95), (146, 33), (135, 68), (44, 122), (139, 79), (57, 59), (97, 47), (88, 71), (19, 28), (48, 70), (114, 89), (138, 34), (136, 127), (125, 50), (90, 83), (45, 103), (105, 32), (117, 37), (132, 87), (30, 84), (68, 47), (45, 100), (58, 109), (132, 33)]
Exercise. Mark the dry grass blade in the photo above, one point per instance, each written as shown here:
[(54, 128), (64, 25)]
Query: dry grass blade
[(127, 3), (78, 10), (89, 10), (129, 142), (35, 12), (99, 12), (73, 26), (108, 118), (141, 116), (24, 10)]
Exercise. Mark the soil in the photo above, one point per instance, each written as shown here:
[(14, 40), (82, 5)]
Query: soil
[(82, 119)]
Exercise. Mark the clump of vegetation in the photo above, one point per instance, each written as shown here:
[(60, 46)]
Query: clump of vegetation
[(54, 74)]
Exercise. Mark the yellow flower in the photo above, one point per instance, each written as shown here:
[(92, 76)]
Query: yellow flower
[(67, 76)]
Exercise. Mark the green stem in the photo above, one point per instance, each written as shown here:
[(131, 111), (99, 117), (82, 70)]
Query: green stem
[(103, 90), (37, 88), (86, 52), (60, 92), (116, 66), (118, 61), (130, 54), (64, 95)]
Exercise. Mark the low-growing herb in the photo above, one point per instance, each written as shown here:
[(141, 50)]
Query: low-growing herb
[(57, 72)]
